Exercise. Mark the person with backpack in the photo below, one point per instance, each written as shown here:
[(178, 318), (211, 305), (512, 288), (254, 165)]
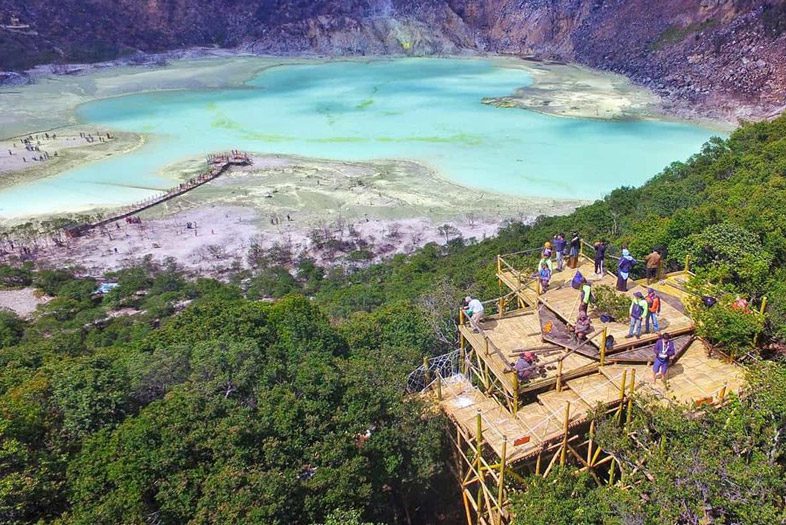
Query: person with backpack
[(653, 311), (585, 295), (638, 309), (600, 257), (559, 249), (624, 266), (664, 353), (545, 277), (575, 248)]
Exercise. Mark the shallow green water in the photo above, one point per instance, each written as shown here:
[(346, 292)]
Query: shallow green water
[(427, 110)]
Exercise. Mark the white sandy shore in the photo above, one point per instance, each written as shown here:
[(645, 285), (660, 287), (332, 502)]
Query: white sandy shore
[(219, 239)]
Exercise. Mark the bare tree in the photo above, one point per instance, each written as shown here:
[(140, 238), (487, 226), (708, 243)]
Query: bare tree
[(439, 307)]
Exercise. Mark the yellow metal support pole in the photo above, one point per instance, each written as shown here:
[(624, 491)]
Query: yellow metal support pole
[(566, 428), (622, 395), (763, 305), (537, 463), (559, 376), (486, 341), (589, 443), (462, 356), (687, 263), (426, 374), (603, 337), (515, 382), (501, 487), (630, 396), (462, 317), (611, 472), (722, 393), (479, 463), (501, 307)]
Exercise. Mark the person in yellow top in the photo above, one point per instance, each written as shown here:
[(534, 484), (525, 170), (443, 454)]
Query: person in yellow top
[(638, 309)]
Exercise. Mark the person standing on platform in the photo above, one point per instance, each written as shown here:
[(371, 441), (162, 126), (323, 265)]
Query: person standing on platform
[(653, 311), (638, 309), (624, 266), (585, 296), (600, 257), (575, 248), (559, 248), (545, 277), (653, 264), (664, 353)]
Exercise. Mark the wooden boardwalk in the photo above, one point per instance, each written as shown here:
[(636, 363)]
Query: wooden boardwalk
[(217, 165)]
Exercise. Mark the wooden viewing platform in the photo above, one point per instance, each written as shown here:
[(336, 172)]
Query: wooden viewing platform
[(217, 165), (506, 427)]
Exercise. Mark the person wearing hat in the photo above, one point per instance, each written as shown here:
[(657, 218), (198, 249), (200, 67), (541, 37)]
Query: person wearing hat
[(653, 311), (638, 309), (664, 353), (525, 366), (473, 309)]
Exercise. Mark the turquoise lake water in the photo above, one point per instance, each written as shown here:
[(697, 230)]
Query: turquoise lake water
[(426, 110)]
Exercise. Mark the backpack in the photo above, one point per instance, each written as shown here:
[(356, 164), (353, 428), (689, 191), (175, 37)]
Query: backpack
[(636, 310), (625, 265), (575, 283)]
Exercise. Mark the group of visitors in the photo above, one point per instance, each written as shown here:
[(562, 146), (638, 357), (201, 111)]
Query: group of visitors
[(559, 247), (646, 309)]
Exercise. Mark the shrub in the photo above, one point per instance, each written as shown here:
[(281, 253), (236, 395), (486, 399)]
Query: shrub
[(608, 301)]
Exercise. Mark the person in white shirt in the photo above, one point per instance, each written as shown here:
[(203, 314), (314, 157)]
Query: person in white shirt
[(474, 310)]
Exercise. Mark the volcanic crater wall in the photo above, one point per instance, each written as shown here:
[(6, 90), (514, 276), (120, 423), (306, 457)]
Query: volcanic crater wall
[(729, 55)]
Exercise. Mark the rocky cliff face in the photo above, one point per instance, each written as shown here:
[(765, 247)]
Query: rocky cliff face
[(729, 55)]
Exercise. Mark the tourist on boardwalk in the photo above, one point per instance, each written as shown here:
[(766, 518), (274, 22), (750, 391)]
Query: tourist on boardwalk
[(664, 353), (545, 277), (545, 258), (653, 311), (653, 265), (473, 309), (575, 248), (559, 250), (525, 366), (583, 327), (638, 309), (600, 257), (585, 295), (624, 266)]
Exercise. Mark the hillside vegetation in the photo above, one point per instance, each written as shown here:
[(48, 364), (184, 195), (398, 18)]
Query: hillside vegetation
[(173, 400)]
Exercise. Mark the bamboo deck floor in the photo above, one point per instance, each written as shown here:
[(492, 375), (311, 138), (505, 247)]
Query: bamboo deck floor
[(564, 303), (461, 402), (508, 337), (646, 354), (693, 377)]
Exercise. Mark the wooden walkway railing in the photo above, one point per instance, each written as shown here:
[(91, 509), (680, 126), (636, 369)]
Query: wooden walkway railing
[(216, 165)]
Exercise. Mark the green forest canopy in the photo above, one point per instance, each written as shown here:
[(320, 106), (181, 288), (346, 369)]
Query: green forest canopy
[(202, 405)]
